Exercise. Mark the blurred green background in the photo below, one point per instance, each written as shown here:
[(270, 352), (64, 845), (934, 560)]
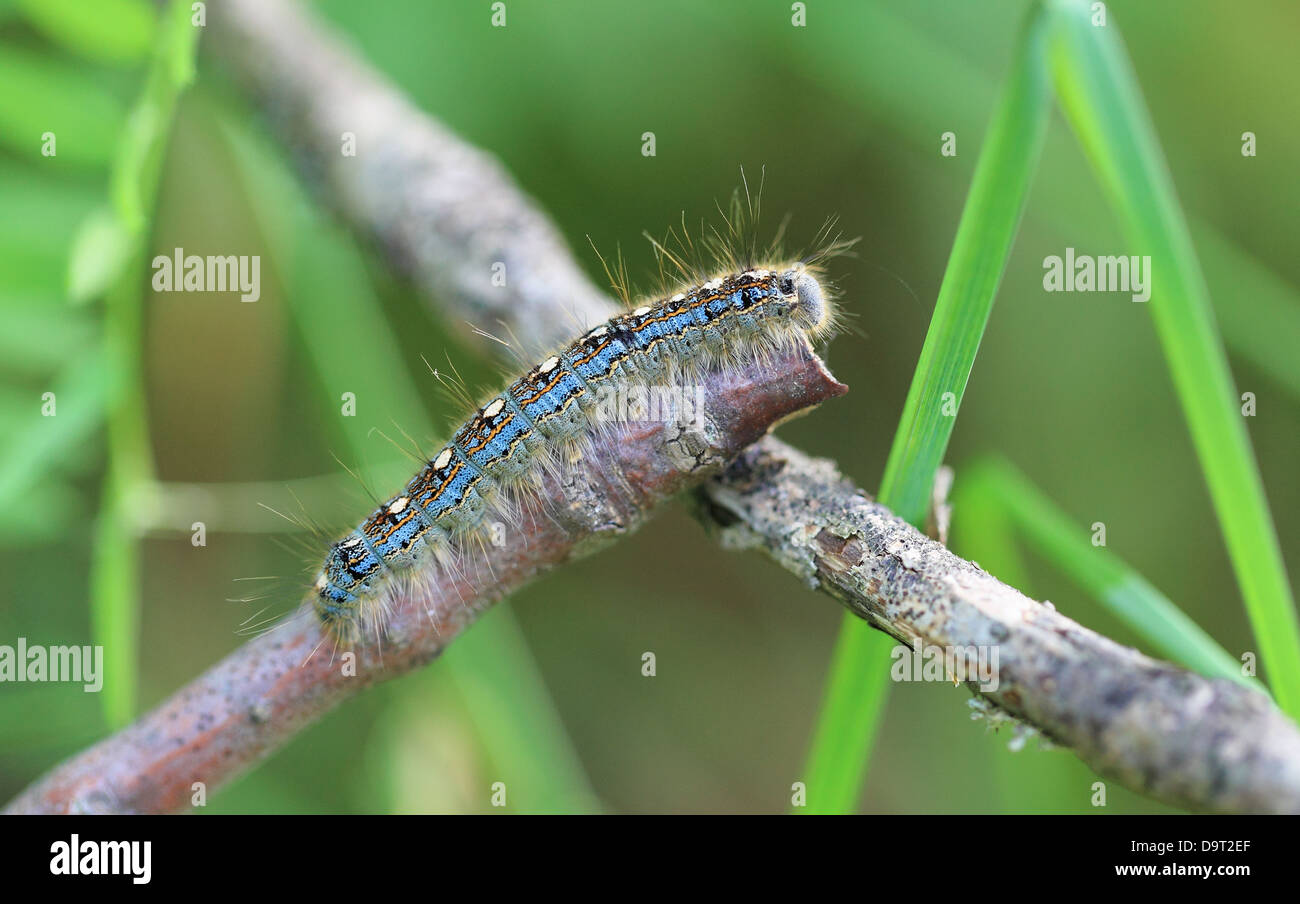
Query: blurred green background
[(846, 116)]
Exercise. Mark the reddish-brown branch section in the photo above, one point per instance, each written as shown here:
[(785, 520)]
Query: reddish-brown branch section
[(266, 691), (444, 213)]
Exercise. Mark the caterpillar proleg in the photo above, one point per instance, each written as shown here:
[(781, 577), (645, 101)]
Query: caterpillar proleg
[(543, 420)]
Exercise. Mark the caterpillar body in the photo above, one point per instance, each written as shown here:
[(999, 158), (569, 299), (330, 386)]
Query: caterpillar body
[(541, 420)]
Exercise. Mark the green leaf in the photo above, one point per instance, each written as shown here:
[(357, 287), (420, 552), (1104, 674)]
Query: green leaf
[(982, 531), (63, 334), (111, 31), (181, 38), (854, 703), (115, 592), (100, 250), (50, 105), (80, 395), (139, 155)]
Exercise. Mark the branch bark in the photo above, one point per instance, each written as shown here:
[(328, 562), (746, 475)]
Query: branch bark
[(444, 213), (272, 687), (1157, 728)]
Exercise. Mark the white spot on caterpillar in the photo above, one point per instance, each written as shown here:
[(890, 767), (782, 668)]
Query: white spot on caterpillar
[(548, 449)]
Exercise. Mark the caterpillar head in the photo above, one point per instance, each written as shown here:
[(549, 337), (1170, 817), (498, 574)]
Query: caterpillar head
[(811, 309)]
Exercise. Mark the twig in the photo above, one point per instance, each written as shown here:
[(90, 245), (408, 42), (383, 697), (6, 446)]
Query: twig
[(1123, 714), (1157, 728), (271, 687), (445, 213)]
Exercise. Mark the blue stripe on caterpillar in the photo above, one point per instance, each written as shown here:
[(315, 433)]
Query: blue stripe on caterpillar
[(709, 326)]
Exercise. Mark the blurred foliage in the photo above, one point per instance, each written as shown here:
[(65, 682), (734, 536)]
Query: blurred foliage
[(1069, 46), (846, 115)]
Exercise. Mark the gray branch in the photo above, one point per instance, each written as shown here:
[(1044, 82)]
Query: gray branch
[(272, 687), (444, 210), (444, 213), (1157, 728)]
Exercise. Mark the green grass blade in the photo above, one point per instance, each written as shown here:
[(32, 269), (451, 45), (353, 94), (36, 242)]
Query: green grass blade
[(100, 252), (1104, 575), (983, 531), (852, 706), (112, 31), (80, 394), (865, 83), (43, 94), (980, 251), (115, 566), (1101, 100), (857, 689), (115, 591), (1026, 780)]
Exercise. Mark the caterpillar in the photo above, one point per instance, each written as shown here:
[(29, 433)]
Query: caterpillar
[(543, 418)]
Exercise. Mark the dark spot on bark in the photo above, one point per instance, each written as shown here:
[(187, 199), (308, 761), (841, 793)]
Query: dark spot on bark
[(1120, 695), (831, 544), (854, 551)]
